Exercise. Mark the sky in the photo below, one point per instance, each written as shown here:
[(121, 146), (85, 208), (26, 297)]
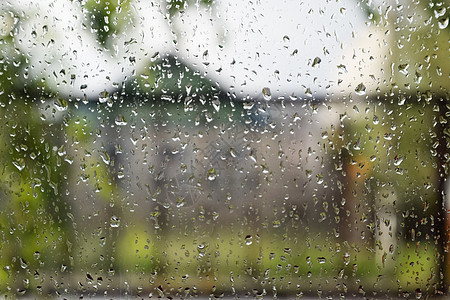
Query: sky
[(290, 47)]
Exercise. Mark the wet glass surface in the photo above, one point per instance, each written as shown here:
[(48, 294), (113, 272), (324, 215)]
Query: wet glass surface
[(219, 149)]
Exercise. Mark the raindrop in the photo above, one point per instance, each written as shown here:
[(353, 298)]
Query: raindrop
[(120, 120), (443, 23), (357, 144), (248, 240), (316, 62), (376, 120), (23, 263), (439, 12), (266, 93), (233, 153), (205, 55), (321, 260), (21, 292), (398, 160), (216, 104), (180, 202), (403, 68), (212, 174), (360, 89), (114, 222), (188, 88), (248, 105), (342, 67), (418, 78), (308, 92), (387, 136), (201, 250), (103, 96), (61, 104), (62, 150), (105, 157), (19, 164), (154, 57), (418, 293)]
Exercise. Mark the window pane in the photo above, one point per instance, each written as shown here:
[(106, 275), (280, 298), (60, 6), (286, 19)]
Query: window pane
[(203, 148)]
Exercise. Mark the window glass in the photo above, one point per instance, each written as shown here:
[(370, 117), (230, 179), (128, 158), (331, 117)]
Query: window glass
[(200, 148)]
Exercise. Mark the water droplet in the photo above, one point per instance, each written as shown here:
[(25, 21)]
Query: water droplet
[(443, 23), (23, 263), (321, 260), (439, 11), (357, 144), (105, 157), (180, 202), (403, 68), (154, 57), (360, 89), (103, 96), (61, 104), (216, 104), (376, 120), (418, 78), (62, 150), (36, 255), (342, 67), (398, 160), (266, 93), (233, 153), (19, 164), (248, 240), (387, 136), (248, 105), (308, 92), (316, 62), (115, 222), (418, 294), (120, 120), (308, 173), (252, 156), (212, 174), (201, 248)]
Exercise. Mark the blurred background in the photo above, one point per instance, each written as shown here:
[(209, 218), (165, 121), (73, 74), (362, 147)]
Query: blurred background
[(186, 148)]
